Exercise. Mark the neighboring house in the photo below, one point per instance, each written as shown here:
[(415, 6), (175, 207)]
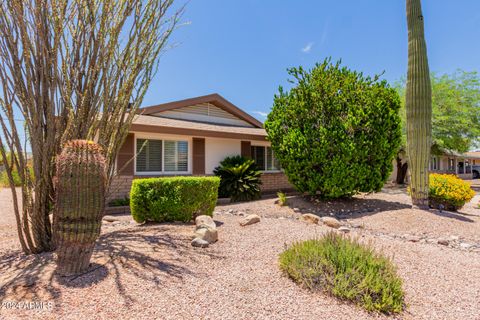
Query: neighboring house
[(455, 163), (465, 166), (191, 137), (475, 158)]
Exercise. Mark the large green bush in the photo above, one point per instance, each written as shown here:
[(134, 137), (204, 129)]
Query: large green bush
[(173, 198), (346, 269), (336, 131), (239, 179)]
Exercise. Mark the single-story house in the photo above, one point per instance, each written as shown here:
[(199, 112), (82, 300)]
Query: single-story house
[(454, 163), (191, 137), (450, 162)]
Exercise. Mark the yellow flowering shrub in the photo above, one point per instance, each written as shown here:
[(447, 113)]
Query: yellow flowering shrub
[(449, 191)]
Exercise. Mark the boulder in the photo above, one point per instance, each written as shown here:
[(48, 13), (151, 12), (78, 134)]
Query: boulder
[(197, 242), (250, 219), (344, 229), (331, 222), (205, 222), (208, 234), (310, 218)]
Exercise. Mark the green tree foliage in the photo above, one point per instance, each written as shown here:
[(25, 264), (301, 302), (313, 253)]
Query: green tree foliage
[(336, 131), (455, 110)]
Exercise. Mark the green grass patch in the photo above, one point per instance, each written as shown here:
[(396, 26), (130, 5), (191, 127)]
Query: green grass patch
[(346, 269)]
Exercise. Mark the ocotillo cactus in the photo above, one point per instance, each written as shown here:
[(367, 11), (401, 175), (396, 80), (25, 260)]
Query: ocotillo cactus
[(79, 204), (418, 104)]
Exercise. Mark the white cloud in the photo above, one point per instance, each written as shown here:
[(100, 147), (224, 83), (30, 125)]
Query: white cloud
[(307, 48), (261, 113)]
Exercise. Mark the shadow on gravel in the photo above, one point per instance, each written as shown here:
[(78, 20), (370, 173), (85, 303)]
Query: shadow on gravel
[(153, 254), (27, 278), (344, 208), (451, 215)]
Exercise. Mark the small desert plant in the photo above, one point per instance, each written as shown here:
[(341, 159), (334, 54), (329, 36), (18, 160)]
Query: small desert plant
[(346, 269), (282, 198), (240, 182), (449, 192), (173, 199), (79, 204)]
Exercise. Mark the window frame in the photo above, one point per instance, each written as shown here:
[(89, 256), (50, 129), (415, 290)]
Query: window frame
[(163, 138), (265, 169)]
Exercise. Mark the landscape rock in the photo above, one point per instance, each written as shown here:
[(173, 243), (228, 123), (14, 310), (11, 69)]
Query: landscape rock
[(205, 221), (208, 234), (465, 245), (310, 218), (443, 241), (250, 219), (331, 222), (413, 238), (110, 218), (197, 242), (344, 229), (230, 211)]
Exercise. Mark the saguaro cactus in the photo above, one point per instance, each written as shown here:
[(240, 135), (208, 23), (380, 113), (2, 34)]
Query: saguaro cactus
[(79, 204), (418, 105)]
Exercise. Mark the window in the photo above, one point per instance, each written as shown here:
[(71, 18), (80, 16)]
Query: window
[(264, 158), (149, 155), (468, 167), (162, 156), (451, 164), (176, 155)]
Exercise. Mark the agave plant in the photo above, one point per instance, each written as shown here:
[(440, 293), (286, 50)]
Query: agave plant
[(240, 182)]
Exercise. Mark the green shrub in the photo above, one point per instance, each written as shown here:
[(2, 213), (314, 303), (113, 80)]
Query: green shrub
[(449, 192), (240, 182), (173, 198), (346, 269), (335, 132), (282, 198), (16, 178), (228, 162)]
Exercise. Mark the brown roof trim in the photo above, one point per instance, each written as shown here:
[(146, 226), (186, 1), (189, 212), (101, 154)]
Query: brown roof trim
[(195, 132), (214, 99)]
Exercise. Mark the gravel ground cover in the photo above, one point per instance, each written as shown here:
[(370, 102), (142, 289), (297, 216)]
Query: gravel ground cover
[(152, 272)]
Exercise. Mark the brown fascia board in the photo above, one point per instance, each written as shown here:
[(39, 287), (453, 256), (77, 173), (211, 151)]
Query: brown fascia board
[(195, 132), (214, 98)]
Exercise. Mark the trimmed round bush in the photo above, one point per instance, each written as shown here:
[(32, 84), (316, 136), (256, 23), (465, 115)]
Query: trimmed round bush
[(449, 192), (173, 198), (336, 132), (346, 269)]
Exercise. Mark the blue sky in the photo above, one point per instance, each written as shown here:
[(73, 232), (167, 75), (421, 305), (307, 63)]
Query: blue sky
[(242, 48)]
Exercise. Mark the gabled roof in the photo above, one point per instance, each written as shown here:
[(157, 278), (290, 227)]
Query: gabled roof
[(143, 123), (214, 99)]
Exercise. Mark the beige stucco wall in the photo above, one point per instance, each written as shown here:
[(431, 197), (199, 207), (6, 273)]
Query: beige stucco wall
[(218, 149)]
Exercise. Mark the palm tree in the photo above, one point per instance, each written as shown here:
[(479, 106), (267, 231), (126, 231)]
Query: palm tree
[(418, 105)]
